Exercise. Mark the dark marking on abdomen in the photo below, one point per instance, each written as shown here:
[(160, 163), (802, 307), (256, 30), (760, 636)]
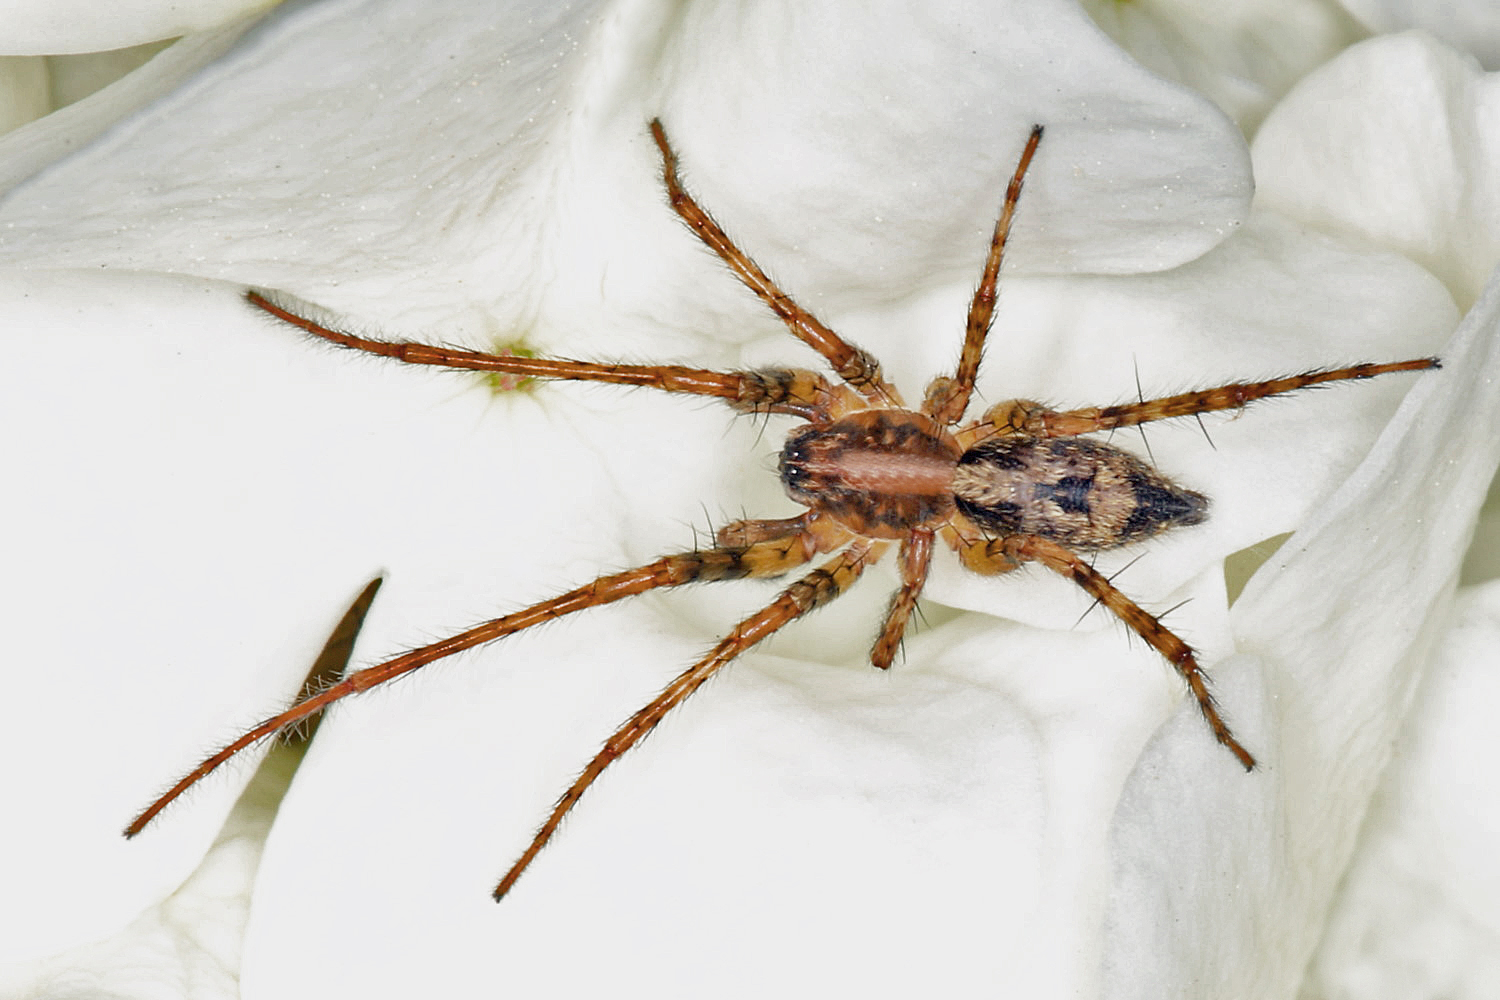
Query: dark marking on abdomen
[(1076, 491)]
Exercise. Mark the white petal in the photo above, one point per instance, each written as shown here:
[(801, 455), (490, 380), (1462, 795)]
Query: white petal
[(465, 184), (51, 27), (984, 766), (1221, 881), (1419, 912), (1394, 142), (509, 184), (1244, 57), (394, 778), (197, 514), (1471, 25), (37, 144)]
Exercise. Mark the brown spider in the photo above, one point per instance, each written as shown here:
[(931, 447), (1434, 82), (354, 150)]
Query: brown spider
[(1020, 484)]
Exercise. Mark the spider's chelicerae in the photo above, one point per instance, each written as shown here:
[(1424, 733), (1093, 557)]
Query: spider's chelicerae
[(1020, 484)]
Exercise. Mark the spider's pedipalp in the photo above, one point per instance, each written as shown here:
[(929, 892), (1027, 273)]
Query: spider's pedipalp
[(792, 391), (768, 558), (812, 591), (817, 532)]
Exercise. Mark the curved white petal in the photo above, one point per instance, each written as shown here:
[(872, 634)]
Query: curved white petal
[(1333, 635), (1419, 911), (1243, 57), (468, 184), (1336, 630), (1470, 25), (199, 512), (37, 144), (1394, 142), (51, 27)]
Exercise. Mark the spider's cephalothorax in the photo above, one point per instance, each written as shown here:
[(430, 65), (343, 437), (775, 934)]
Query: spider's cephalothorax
[(1020, 484), (879, 473)]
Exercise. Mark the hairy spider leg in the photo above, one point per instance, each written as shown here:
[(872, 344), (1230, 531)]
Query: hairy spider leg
[(948, 398), (800, 393), (767, 558), (812, 591), (916, 559), (855, 366), (1001, 555), (945, 402), (1024, 417)]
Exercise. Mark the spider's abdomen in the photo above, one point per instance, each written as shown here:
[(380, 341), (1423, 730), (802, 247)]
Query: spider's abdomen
[(878, 472), (1078, 492)]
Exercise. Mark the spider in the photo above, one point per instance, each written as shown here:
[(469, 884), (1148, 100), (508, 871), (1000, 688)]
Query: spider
[(1020, 484)]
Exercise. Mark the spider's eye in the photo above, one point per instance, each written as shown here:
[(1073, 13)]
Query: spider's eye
[(792, 466)]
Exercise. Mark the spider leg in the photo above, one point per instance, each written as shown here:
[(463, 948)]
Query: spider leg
[(855, 366), (1021, 416), (812, 591), (916, 558), (948, 398), (772, 557), (784, 390), (1000, 555)]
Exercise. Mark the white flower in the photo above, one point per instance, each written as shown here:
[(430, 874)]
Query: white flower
[(1021, 807)]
